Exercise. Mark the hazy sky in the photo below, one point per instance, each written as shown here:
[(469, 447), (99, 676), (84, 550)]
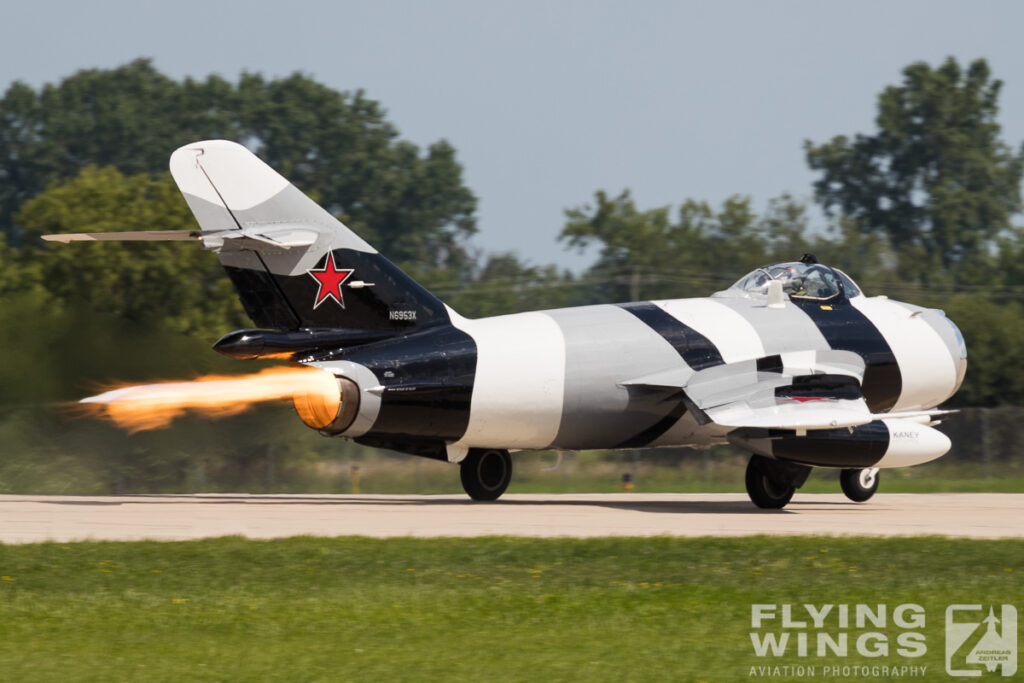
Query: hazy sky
[(547, 102)]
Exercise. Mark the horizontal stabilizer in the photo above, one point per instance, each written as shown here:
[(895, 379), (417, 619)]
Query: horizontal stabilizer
[(280, 236), (133, 236), (285, 236)]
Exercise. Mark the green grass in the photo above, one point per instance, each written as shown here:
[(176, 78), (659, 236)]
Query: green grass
[(458, 609)]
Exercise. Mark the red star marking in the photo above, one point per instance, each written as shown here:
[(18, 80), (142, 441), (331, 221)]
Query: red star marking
[(330, 280), (805, 399)]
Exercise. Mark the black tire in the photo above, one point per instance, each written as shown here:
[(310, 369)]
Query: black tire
[(485, 474), (765, 488), (859, 485)]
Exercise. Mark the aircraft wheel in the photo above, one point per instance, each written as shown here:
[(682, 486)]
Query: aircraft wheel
[(486, 473), (859, 485), (764, 485)]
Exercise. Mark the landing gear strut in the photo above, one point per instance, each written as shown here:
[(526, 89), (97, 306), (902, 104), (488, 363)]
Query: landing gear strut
[(486, 473), (772, 483), (859, 485)]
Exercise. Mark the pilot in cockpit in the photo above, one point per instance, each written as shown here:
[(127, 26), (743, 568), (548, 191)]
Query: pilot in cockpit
[(804, 279)]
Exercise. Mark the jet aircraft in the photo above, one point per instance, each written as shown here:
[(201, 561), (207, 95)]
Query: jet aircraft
[(793, 363)]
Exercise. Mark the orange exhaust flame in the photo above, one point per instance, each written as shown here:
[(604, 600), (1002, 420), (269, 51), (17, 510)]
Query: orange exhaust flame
[(151, 406)]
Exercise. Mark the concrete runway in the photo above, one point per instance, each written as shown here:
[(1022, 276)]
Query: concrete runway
[(28, 519)]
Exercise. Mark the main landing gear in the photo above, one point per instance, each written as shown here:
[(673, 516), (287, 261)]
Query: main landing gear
[(486, 473), (859, 485), (771, 483)]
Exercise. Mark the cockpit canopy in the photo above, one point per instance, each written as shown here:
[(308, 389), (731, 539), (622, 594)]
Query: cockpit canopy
[(800, 280)]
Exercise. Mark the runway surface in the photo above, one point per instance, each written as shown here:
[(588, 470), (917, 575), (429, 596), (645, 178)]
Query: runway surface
[(27, 519)]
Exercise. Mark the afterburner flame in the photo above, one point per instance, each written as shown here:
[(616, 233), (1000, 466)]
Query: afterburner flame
[(150, 406)]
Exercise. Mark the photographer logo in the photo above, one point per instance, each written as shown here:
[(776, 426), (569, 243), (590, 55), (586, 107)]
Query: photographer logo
[(976, 642)]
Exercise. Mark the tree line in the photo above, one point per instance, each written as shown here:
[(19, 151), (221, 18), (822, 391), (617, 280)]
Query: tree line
[(921, 209)]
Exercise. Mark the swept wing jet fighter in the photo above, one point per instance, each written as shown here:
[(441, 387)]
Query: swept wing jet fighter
[(793, 363)]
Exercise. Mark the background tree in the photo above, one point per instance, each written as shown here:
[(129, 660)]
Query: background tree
[(505, 284), (649, 254), (935, 179), (178, 285), (336, 146), (993, 331)]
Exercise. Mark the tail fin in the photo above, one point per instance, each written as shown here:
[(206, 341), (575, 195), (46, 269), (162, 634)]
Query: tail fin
[(293, 264)]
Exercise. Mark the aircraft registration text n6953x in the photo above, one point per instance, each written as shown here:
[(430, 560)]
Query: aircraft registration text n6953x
[(793, 363)]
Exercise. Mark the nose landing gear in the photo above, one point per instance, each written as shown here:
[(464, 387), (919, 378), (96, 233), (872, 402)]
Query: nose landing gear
[(859, 485)]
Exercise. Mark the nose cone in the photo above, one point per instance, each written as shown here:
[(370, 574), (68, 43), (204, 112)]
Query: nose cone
[(954, 341), (959, 351)]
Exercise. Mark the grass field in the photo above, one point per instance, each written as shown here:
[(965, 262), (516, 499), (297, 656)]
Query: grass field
[(461, 609)]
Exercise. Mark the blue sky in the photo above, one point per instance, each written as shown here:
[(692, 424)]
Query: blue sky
[(547, 102)]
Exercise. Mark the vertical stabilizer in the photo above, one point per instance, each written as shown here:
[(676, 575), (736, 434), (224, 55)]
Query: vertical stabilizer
[(293, 263)]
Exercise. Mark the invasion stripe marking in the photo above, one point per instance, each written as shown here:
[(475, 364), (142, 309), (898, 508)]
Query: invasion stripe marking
[(656, 430), (847, 329), (733, 335), (770, 364), (697, 350), (925, 346), (606, 345)]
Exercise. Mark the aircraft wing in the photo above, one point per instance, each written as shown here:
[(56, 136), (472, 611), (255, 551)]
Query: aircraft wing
[(799, 390)]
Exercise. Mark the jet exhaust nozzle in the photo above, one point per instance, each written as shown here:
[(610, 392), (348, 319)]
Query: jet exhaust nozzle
[(328, 412)]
